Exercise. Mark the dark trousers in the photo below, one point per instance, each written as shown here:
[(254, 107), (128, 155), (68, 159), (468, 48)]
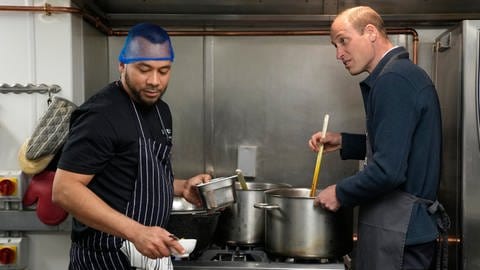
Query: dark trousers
[(420, 257)]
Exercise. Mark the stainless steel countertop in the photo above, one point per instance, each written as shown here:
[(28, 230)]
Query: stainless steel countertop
[(202, 265)]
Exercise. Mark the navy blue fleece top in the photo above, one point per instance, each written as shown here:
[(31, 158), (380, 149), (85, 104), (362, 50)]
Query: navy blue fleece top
[(405, 133)]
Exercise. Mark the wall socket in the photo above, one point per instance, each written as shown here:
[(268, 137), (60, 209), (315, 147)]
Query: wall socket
[(247, 160), (13, 253), (12, 185)]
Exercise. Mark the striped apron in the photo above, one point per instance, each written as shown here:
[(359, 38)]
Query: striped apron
[(150, 204)]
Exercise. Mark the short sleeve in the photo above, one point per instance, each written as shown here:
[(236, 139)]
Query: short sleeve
[(90, 144)]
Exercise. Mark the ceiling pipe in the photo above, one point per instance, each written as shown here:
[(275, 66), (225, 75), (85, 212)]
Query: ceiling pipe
[(102, 27), (392, 31), (49, 10)]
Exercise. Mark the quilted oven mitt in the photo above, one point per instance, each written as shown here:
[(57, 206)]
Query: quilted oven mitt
[(39, 191), (52, 130), (29, 166)]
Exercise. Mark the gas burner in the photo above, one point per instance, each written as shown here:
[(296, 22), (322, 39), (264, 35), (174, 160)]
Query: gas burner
[(235, 254), (235, 257), (306, 260)]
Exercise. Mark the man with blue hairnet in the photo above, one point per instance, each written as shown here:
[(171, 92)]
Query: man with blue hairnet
[(114, 175)]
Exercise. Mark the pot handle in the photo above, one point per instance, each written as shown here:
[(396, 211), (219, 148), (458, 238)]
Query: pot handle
[(266, 206)]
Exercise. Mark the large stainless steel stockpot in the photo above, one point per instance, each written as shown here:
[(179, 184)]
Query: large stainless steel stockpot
[(241, 223), (294, 228)]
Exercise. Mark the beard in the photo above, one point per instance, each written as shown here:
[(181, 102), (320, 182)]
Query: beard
[(136, 92)]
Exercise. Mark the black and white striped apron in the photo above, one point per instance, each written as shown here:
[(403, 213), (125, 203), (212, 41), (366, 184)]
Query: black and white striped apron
[(150, 205)]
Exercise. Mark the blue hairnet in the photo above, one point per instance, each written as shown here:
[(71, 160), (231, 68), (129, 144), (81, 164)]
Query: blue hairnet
[(146, 42)]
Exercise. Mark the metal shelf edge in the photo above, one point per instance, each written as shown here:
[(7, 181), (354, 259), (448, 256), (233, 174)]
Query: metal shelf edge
[(28, 221)]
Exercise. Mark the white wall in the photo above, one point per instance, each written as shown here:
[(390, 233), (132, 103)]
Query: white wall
[(37, 49)]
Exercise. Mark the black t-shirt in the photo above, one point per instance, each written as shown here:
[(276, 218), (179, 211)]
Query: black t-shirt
[(103, 141)]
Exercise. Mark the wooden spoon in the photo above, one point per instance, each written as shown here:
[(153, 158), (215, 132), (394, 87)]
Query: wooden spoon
[(241, 179), (319, 158)]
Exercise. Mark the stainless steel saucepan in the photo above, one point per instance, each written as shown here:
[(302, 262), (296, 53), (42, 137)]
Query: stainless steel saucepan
[(241, 223), (218, 193), (294, 228)]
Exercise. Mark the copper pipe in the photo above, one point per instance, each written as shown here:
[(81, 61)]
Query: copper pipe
[(47, 8), (97, 22), (244, 33), (407, 31)]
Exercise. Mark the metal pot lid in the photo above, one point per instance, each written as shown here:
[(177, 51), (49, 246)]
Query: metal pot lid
[(299, 193), (180, 204), (260, 186), (217, 183)]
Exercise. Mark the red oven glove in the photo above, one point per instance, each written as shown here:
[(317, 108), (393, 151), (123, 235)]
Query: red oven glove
[(40, 191)]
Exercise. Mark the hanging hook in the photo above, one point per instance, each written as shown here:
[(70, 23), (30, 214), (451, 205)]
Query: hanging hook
[(49, 100), (47, 8)]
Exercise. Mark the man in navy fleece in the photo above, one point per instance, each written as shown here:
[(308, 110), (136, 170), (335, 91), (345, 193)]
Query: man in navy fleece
[(398, 186)]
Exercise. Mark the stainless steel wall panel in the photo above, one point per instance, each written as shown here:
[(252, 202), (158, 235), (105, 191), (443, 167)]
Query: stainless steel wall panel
[(471, 146), (272, 92), (447, 78), (457, 79), (27, 221), (209, 84), (186, 97)]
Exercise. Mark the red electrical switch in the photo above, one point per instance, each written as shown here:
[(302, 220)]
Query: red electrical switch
[(8, 254), (8, 186)]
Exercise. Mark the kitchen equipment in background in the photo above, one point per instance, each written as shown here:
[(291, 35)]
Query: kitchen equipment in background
[(241, 223), (294, 228), (188, 221), (218, 193), (316, 172)]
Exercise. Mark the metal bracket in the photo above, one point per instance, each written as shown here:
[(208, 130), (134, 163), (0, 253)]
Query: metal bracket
[(29, 88), (444, 42)]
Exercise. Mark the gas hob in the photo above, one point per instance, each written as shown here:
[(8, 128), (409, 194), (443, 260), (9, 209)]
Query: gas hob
[(241, 258), (224, 265)]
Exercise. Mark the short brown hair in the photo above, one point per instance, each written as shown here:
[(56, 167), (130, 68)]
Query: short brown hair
[(360, 16)]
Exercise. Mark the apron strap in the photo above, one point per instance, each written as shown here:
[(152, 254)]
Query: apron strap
[(443, 224)]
